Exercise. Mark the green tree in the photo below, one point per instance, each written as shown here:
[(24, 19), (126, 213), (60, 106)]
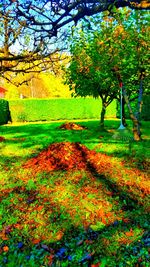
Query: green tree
[(116, 53), (132, 61), (90, 70)]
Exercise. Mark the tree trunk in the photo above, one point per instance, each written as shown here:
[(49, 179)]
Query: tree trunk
[(102, 115), (136, 123)]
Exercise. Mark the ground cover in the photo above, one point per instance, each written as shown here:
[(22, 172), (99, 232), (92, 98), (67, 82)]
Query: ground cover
[(73, 197)]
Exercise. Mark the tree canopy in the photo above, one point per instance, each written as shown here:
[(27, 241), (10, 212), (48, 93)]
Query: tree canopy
[(35, 28)]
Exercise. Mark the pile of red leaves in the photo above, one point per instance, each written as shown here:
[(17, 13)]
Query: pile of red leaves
[(59, 156), (2, 139), (69, 156), (71, 126)]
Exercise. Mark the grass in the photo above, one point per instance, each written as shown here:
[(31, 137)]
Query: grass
[(93, 216)]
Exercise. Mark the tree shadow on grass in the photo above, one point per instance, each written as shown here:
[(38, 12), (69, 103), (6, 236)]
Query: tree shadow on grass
[(111, 185)]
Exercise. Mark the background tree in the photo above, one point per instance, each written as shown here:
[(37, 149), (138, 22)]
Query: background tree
[(40, 85), (20, 51)]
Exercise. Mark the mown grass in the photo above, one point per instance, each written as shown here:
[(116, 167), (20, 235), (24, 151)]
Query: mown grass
[(26, 139), (73, 218)]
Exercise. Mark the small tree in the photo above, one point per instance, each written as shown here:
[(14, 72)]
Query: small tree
[(89, 72)]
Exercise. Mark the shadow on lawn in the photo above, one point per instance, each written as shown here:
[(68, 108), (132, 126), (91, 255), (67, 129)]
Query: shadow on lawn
[(42, 135)]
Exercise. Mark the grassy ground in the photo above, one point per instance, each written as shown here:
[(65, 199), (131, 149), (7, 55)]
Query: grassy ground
[(96, 215)]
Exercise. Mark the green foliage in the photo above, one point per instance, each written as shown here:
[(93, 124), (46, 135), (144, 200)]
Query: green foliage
[(90, 70), (58, 109), (4, 111), (145, 109), (115, 53)]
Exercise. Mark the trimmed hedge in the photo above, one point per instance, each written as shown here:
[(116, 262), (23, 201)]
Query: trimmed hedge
[(58, 109), (145, 114), (4, 112)]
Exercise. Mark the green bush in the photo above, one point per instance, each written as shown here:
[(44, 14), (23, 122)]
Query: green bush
[(58, 109), (4, 112)]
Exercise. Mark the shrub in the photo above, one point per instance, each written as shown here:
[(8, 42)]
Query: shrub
[(4, 112)]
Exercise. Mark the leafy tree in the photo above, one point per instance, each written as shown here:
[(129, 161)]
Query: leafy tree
[(41, 85), (35, 27), (20, 52), (89, 72), (115, 54)]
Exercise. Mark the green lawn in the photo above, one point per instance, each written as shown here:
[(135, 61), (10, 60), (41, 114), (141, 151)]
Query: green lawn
[(82, 202)]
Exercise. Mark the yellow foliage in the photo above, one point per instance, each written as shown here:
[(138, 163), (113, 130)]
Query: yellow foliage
[(39, 84), (143, 4)]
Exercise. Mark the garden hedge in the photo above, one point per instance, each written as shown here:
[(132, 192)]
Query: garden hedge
[(58, 109), (4, 112)]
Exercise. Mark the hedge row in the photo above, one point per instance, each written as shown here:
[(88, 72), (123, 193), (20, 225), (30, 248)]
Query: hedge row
[(58, 109)]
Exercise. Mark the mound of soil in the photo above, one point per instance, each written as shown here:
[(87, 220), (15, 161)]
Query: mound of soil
[(60, 156), (71, 126)]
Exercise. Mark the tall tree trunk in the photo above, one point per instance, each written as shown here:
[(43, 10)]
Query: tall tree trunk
[(136, 123), (102, 115)]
